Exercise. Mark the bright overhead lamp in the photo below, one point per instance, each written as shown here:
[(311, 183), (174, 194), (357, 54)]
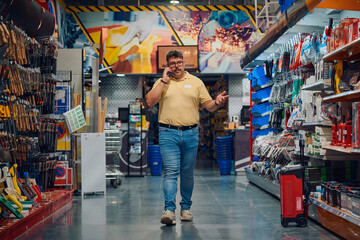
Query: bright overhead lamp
[(174, 2)]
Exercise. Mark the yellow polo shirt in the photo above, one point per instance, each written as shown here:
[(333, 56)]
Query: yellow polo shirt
[(180, 100)]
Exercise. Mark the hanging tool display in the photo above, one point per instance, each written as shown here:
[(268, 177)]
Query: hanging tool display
[(27, 137), (48, 135), (46, 57)]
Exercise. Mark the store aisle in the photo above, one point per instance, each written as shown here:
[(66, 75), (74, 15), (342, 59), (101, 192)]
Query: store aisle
[(225, 207)]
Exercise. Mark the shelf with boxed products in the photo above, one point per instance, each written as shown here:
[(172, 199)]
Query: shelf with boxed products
[(349, 52), (338, 148), (337, 212)]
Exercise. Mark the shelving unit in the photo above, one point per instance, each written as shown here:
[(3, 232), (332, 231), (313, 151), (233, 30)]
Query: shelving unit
[(313, 124), (318, 86), (337, 212), (335, 158), (349, 52), (257, 88), (318, 157), (350, 96), (135, 137), (341, 222), (328, 216), (112, 149), (272, 187), (341, 149), (261, 101)]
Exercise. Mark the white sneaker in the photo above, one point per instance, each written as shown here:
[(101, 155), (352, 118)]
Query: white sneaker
[(168, 218), (186, 215)]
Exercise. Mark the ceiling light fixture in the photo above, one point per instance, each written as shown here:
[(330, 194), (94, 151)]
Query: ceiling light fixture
[(174, 2)]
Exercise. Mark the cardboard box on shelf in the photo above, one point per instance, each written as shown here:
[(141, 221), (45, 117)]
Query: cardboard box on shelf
[(323, 131)]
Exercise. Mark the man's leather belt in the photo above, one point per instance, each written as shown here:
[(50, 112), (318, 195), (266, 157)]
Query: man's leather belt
[(182, 128)]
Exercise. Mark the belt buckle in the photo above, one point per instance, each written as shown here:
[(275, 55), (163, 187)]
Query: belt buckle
[(179, 128)]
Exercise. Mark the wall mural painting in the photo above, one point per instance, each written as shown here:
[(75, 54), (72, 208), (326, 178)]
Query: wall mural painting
[(132, 40), (221, 36)]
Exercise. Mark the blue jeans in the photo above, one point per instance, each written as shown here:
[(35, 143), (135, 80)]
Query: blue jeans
[(178, 152)]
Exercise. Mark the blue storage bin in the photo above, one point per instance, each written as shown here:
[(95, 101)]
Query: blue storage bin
[(250, 76), (264, 132), (224, 158), (223, 144), (285, 4), (260, 121), (258, 72), (225, 167), (262, 81), (253, 82), (260, 109), (155, 168), (224, 148), (261, 94), (223, 151), (224, 138), (154, 160)]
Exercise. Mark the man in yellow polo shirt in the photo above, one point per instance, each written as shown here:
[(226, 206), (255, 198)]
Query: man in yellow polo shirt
[(179, 95)]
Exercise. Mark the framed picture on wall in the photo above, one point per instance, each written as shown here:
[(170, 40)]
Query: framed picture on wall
[(190, 53)]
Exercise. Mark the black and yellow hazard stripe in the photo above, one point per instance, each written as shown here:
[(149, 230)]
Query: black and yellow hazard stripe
[(247, 10), (164, 8), (106, 64), (178, 40), (161, 10), (61, 3)]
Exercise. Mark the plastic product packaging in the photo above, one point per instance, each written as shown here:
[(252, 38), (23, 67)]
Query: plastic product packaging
[(296, 88), (356, 125), (276, 119), (323, 47), (328, 111), (305, 52), (317, 100), (355, 203)]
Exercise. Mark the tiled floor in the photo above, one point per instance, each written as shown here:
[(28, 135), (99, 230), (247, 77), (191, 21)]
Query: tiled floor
[(225, 207)]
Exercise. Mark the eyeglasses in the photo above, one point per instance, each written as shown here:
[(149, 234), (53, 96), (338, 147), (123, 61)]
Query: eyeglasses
[(178, 63)]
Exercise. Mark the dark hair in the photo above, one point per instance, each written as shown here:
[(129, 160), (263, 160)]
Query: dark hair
[(174, 54)]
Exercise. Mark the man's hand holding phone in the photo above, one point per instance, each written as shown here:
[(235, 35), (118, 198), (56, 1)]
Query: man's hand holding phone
[(166, 75)]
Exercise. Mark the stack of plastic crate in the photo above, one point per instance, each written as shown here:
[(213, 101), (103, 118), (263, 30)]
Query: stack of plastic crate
[(224, 154), (154, 160)]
